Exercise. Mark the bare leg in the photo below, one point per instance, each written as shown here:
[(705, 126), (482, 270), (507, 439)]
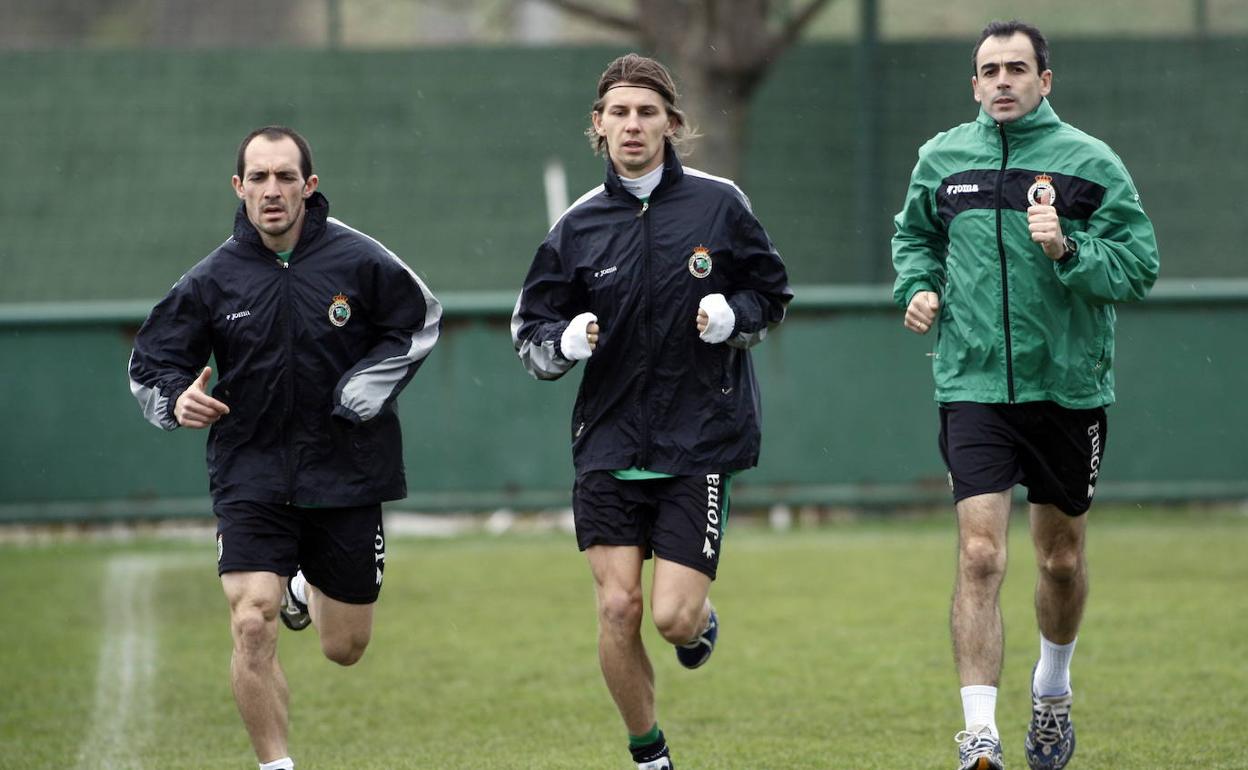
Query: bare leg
[(255, 673), (983, 523), (625, 665), (679, 601), (345, 629), (1062, 572)]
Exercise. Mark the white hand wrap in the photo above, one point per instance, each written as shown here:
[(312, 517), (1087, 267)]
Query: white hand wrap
[(720, 319), (575, 340)]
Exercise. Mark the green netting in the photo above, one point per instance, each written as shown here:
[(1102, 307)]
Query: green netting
[(116, 165)]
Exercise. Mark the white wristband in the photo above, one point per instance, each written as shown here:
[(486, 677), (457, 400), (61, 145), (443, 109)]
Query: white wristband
[(575, 340), (720, 319)]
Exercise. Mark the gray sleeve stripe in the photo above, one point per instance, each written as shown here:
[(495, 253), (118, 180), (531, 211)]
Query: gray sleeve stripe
[(368, 389), (747, 341), (154, 404), (539, 360)]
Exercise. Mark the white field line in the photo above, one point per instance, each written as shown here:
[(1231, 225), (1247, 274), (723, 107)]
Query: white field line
[(127, 664)]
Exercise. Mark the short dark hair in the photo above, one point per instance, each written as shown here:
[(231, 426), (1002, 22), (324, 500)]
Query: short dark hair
[(274, 133), (1008, 29), (635, 69)]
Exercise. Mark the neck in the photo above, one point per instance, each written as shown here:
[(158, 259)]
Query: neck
[(642, 186)]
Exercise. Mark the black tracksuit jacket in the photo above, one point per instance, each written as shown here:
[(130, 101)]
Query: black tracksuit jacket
[(310, 357), (654, 395)]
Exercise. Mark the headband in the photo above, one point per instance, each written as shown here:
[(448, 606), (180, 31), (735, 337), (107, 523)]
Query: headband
[(626, 84)]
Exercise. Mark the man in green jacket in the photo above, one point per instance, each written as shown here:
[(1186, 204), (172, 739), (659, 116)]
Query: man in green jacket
[(1018, 235)]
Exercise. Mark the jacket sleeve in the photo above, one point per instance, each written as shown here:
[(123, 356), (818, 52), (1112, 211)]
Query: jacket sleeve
[(409, 319), (549, 299), (1117, 259), (170, 350), (920, 240), (762, 297)]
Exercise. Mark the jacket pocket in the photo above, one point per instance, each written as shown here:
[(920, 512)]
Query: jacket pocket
[(355, 443), (1102, 351), (727, 372), (580, 418)]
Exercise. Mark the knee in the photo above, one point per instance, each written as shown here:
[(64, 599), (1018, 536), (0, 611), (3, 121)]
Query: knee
[(678, 623), (345, 649), (1063, 565), (255, 632), (620, 610), (982, 559)]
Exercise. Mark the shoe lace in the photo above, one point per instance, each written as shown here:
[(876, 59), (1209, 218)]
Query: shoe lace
[(1049, 720), (976, 743)]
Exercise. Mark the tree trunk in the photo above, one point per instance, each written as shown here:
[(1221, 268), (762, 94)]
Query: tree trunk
[(713, 47), (719, 108), (719, 52)]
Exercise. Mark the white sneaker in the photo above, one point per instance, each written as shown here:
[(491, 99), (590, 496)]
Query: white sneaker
[(293, 612), (979, 749)]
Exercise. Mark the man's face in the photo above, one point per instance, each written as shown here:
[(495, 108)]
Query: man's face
[(273, 189), (634, 122), (1006, 80)]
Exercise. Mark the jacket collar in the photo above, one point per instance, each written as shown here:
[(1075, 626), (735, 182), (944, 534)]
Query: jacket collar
[(1042, 118), (316, 211), (672, 172)]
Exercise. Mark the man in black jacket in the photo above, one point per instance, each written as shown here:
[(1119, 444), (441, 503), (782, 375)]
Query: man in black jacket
[(660, 280), (315, 329)]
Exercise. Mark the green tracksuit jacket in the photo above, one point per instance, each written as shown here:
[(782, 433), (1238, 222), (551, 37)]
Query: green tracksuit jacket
[(1014, 325)]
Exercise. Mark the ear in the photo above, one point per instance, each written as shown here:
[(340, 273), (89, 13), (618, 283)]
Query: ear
[(309, 186), (1046, 82), (975, 88), (596, 118), (238, 186), (672, 125)]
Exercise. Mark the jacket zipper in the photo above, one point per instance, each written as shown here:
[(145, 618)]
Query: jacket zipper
[(290, 382), (644, 457), (1005, 284)]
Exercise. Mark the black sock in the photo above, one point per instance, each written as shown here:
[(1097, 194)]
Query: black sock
[(651, 751)]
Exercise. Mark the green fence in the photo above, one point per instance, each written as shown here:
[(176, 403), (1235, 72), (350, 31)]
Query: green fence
[(848, 416), (117, 164)]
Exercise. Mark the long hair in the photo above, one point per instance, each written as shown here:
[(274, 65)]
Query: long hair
[(635, 69)]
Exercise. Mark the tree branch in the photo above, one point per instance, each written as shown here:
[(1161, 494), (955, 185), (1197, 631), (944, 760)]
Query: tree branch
[(618, 21), (792, 30)]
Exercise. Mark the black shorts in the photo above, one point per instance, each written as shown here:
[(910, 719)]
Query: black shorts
[(1053, 451), (342, 551), (681, 519)]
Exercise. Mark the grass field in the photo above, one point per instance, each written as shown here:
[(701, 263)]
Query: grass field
[(834, 654)]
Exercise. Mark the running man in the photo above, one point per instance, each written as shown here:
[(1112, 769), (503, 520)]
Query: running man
[(660, 279)]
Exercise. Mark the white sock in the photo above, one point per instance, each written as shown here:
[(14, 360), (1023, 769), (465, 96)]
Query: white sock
[(979, 706), (298, 587), (285, 763), (1053, 671)]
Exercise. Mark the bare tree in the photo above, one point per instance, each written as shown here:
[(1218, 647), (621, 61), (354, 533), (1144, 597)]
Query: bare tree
[(720, 50)]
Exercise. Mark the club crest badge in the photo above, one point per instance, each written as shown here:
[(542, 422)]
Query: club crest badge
[(339, 310), (700, 262), (1042, 193)]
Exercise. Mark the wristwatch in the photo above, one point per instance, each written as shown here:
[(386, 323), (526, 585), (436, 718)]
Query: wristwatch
[(1070, 250)]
